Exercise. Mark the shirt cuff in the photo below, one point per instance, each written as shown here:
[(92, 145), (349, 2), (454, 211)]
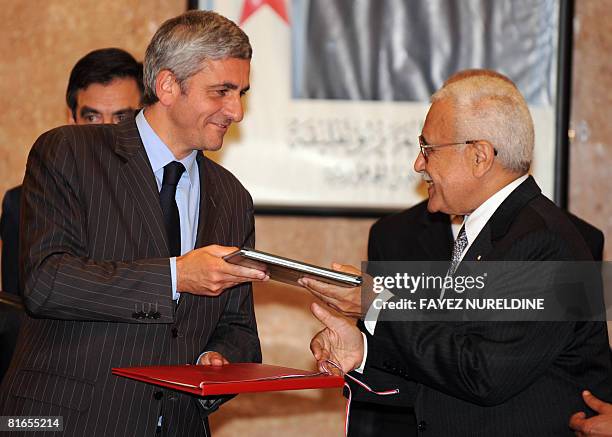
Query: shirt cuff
[(365, 354), (175, 294)]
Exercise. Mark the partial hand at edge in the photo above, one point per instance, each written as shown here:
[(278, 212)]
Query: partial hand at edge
[(212, 359), (340, 341), (204, 271), (600, 425)]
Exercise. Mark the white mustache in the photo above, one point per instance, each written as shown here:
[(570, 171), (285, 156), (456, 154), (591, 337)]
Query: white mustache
[(425, 176)]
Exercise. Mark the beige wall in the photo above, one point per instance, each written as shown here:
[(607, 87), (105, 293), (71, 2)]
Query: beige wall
[(42, 40), (591, 149)]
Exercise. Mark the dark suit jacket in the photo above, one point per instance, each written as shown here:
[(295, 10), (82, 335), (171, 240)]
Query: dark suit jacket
[(496, 378), (411, 235), (9, 234), (592, 236), (95, 260)]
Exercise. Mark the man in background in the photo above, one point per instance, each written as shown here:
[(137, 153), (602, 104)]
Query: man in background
[(105, 86)]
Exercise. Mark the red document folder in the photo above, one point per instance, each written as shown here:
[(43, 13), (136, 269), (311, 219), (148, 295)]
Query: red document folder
[(230, 379)]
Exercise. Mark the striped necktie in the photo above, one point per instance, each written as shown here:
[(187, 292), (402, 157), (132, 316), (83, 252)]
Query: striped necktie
[(460, 244)]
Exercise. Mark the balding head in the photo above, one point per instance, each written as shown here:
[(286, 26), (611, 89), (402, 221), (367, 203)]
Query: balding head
[(488, 106)]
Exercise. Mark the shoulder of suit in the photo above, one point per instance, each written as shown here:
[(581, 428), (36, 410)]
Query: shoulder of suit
[(13, 193), (543, 223), (80, 136), (222, 174), (410, 217)]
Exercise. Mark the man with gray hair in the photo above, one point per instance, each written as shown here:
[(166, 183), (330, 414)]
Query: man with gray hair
[(125, 227), (481, 378)]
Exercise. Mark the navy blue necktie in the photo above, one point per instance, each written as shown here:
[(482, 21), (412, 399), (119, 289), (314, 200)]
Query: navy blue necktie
[(172, 221)]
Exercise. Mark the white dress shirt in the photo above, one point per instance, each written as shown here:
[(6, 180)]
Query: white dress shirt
[(187, 191)]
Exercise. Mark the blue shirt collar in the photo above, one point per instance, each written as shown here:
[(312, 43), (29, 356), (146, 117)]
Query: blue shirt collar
[(158, 153)]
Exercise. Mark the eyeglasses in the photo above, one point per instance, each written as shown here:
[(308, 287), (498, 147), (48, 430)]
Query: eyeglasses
[(425, 147)]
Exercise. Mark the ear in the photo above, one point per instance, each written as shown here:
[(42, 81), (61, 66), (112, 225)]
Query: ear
[(69, 118), (483, 155), (166, 87)]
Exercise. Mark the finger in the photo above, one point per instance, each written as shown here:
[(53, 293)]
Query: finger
[(323, 297), (217, 359), (213, 359), (330, 370), (345, 268), (577, 421), (594, 403), (335, 307), (312, 284), (242, 274), (339, 293), (333, 322), (316, 347)]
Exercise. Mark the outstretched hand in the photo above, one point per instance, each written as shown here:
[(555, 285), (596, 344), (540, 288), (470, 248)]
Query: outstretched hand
[(204, 271), (340, 341)]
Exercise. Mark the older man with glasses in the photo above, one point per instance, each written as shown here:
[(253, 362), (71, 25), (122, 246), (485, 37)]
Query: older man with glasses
[(481, 378)]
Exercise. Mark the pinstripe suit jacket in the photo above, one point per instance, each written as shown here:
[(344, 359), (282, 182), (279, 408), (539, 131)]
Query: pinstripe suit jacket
[(501, 378), (94, 252)]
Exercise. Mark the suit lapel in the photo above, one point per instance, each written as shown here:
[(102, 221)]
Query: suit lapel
[(481, 247), (499, 223), (139, 181), (207, 220)]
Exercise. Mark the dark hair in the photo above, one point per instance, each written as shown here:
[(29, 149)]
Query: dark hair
[(101, 66)]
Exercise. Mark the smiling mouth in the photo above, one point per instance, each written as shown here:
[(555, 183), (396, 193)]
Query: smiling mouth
[(221, 126), (426, 178)]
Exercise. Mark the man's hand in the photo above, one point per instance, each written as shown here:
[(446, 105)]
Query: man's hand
[(340, 341), (347, 301), (600, 425), (203, 271), (212, 359)]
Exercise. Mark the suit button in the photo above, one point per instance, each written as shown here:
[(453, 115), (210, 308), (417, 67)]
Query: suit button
[(422, 426), (174, 332), (158, 395)]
